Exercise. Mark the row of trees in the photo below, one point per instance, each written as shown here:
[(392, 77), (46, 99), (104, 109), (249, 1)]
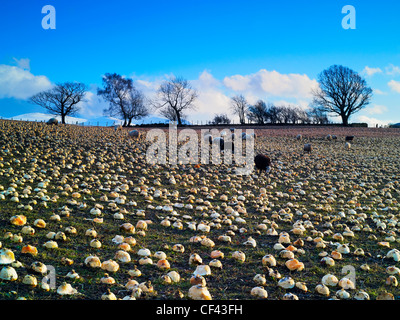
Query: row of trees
[(174, 97), (341, 91), (263, 113)]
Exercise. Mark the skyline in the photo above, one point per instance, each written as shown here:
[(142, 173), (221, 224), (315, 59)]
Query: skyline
[(262, 50)]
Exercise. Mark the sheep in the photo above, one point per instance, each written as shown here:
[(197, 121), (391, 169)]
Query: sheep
[(224, 145), (299, 137), (220, 141), (52, 121), (246, 136), (262, 163), (134, 134), (117, 127), (307, 147), (347, 145), (349, 138), (208, 138)]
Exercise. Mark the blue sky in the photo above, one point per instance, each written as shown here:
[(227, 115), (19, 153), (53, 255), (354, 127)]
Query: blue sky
[(225, 47)]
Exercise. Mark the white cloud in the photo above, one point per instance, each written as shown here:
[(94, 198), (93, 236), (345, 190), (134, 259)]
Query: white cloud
[(16, 82), (394, 85), (371, 71), (214, 95), (302, 104), (23, 63), (272, 84), (392, 70), (93, 106), (211, 100), (238, 82), (372, 122), (376, 109), (380, 92)]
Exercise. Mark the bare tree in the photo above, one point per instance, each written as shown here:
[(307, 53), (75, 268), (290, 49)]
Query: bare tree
[(285, 114), (258, 112), (221, 119), (170, 114), (174, 97), (294, 114), (273, 113), (341, 91), (318, 115), (136, 107), (240, 107), (302, 116), (125, 101), (62, 100)]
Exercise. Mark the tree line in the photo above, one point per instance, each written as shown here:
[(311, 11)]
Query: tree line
[(269, 113), (341, 92)]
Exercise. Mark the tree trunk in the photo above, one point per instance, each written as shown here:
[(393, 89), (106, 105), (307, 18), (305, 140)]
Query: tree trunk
[(63, 118), (129, 122), (345, 120), (178, 116)]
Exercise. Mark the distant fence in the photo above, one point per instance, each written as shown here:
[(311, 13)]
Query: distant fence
[(208, 124), (86, 124)]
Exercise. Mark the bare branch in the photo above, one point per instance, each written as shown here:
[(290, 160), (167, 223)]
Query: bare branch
[(62, 100)]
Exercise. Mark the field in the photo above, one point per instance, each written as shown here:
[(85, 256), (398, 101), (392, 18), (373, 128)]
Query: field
[(334, 211)]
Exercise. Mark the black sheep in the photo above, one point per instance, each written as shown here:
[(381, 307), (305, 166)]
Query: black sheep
[(262, 162), (208, 138), (52, 121), (228, 145), (219, 141), (349, 138), (307, 148)]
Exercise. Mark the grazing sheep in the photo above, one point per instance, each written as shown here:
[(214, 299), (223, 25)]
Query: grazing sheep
[(246, 136), (307, 147), (134, 134), (329, 137), (334, 137), (220, 141), (117, 127), (349, 138), (208, 138), (347, 145), (299, 137), (262, 162), (52, 121)]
